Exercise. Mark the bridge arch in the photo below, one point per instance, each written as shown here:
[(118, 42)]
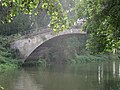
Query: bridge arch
[(44, 46)]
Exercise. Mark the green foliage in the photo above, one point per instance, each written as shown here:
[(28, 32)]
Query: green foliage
[(7, 56), (87, 58), (20, 24), (52, 7), (1, 88), (102, 24), (25, 24), (7, 66), (102, 18), (41, 62)]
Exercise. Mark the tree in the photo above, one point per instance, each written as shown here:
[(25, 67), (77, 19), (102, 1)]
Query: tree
[(102, 24), (19, 25), (52, 7), (102, 18)]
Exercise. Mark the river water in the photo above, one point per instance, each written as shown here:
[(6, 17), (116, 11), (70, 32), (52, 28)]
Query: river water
[(89, 76)]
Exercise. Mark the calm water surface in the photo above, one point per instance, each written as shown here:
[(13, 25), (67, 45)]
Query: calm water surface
[(90, 76)]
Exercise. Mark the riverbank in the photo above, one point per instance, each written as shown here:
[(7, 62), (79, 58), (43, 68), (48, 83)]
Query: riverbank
[(78, 59), (8, 66)]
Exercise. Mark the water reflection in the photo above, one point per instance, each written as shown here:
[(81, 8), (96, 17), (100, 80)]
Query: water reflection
[(91, 76), (119, 70), (100, 73), (113, 68), (26, 82)]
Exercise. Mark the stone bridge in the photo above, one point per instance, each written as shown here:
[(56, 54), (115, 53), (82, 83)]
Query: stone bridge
[(26, 45)]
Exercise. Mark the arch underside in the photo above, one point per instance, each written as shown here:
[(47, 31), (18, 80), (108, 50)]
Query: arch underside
[(42, 49)]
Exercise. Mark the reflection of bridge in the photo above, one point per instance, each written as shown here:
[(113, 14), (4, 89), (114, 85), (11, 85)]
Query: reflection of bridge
[(30, 42)]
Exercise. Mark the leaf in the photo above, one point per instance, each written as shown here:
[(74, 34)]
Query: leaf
[(45, 5), (14, 0), (54, 30), (36, 13)]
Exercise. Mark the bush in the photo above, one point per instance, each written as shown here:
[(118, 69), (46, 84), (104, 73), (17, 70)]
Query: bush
[(7, 56), (91, 58)]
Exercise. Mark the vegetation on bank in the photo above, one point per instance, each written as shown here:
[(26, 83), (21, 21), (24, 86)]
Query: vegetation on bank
[(78, 59), (8, 58), (81, 59)]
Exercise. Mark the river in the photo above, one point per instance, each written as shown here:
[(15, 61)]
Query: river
[(89, 76)]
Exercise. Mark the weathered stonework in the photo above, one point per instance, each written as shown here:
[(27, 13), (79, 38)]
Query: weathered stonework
[(27, 45)]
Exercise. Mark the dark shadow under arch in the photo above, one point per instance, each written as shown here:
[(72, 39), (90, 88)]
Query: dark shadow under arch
[(35, 55)]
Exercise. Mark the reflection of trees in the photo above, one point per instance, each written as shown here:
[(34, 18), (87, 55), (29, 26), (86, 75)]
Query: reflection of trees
[(26, 82), (65, 79), (112, 84), (111, 80), (89, 76)]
